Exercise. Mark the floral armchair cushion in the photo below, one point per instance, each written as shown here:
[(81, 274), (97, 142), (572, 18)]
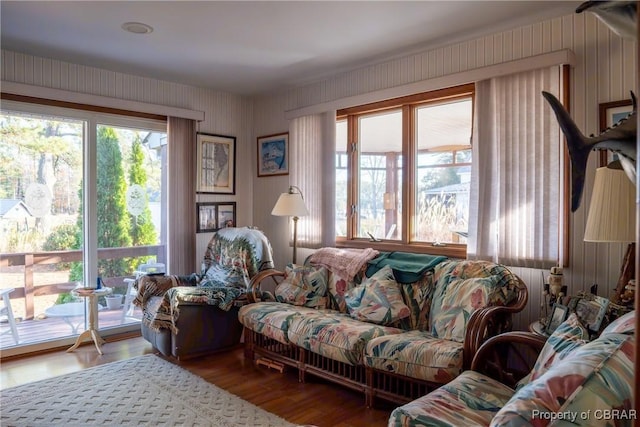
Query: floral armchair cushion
[(594, 378), (625, 324), (570, 335)]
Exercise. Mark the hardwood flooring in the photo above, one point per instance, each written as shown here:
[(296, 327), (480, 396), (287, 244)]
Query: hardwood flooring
[(314, 403)]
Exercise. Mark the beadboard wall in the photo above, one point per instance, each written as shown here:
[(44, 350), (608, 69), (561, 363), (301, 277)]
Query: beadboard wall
[(605, 70), (225, 113)]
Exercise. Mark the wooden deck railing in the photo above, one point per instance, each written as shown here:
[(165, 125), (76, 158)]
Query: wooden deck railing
[(29, 260)]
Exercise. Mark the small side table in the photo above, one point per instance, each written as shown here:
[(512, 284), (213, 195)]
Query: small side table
[(538, 328), (92, 332)]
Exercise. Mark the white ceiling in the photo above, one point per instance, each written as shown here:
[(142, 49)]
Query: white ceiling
[(249, 47)]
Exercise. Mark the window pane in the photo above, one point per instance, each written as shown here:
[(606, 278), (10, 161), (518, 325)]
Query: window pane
[(341, 177), (41, 173), (380, 183), (443, 171), (130, 200)]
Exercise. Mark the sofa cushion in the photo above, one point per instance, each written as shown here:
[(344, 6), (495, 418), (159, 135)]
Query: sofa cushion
[(570, 335), (337, 291), (594, 379), (458, 302), (378, 299), (272, 319), (417, 296), (625, 324), (415, 354), (303, 285), (469, 400), (335, 335)]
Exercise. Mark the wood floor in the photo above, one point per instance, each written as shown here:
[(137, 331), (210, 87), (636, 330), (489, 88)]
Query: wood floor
[(314, 402)]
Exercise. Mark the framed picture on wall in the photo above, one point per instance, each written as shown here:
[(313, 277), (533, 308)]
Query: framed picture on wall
[(273, 154), (213, 216), (216, 164), (611, 113)]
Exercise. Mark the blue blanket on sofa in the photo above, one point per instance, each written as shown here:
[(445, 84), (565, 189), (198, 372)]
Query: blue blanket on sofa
[(407, 267)]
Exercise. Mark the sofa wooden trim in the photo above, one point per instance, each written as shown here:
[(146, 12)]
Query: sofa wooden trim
[(374, 383)]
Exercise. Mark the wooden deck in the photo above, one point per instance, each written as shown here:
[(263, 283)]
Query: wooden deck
[(39, 330)]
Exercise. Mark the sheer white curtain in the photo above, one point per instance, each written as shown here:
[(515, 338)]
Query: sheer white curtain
[(516, 182), (181, 195), (312, 151)]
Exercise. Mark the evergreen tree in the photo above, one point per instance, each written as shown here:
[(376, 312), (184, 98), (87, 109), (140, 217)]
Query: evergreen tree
[(143, 231), (113, 220)]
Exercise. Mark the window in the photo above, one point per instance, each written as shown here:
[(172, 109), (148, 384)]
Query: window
[(403, 170), (81, 194)]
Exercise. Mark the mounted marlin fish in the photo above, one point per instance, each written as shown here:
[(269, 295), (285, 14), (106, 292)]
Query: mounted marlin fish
[(620, 17), (619, 138)]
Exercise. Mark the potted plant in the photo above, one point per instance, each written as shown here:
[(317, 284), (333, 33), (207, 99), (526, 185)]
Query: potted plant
[(114, 301)]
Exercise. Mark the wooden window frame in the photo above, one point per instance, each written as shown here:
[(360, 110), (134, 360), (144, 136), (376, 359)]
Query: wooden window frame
[(407, 104)]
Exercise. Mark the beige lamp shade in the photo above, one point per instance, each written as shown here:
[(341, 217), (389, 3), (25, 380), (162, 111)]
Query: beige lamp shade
[(612, 210), (290, 204)]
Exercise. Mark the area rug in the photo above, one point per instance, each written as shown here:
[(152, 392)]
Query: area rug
[(143, 391)]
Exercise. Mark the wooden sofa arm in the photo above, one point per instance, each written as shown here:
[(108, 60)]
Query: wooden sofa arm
[(491, 321), (256, 282), (508, 357)]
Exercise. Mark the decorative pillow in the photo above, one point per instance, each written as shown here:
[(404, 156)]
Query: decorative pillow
[(338, 289), (458, 302), (303, 286), (378, 299), (594, 380), (570, 335), (625, 324), (450, 270)]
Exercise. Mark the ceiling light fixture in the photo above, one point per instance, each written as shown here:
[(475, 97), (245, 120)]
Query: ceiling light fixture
[(137, 28)]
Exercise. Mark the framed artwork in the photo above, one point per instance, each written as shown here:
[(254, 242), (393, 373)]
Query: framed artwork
[(611, 113), (591, 311), (213, 216), (216, 166), (558, 314), (273, 154)]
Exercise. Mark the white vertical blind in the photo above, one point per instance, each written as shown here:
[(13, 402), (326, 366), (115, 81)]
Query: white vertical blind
[(312, 149), (182, 201), (516, 181)]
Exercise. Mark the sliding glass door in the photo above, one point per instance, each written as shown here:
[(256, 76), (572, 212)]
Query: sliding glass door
[(82, 196)]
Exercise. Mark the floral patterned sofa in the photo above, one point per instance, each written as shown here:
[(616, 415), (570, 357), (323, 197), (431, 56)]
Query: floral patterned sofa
[(573, 382), (187, 316), (392, 325)]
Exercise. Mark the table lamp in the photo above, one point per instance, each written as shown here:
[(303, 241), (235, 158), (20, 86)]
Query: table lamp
[(611, 218), (291, 204)]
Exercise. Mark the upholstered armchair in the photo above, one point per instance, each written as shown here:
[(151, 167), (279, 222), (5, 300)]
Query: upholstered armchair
[(187, 316)]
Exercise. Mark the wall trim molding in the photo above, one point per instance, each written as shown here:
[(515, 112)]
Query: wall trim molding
[(559, 57), (22, 89)]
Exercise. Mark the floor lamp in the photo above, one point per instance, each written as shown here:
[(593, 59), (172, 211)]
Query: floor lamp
[(291, 204), (611, 218)]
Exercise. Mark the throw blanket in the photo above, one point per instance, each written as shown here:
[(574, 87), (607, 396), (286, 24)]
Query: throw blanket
[(162, 296), (407, 267), (235, 255), (345, 263)]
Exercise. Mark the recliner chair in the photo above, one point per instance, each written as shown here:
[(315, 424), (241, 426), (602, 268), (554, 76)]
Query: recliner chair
[(187, 316)]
